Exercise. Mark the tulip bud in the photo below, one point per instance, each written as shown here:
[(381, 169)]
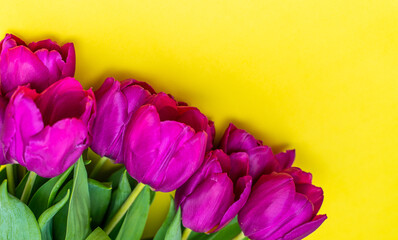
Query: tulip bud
[(213, 196), (282, 206), (47, 132), (261, 158), (161, 150), (38, 64), (116, 103)]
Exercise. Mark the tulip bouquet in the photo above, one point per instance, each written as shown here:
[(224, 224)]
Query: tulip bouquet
[(235, 189)]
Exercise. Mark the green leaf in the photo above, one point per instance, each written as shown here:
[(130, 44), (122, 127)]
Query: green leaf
[(118, 197), (45, 220), (16, 219), (76, 226), (135, 219), (98, 234), (3, 174), (174, 230), (43, 198), (60, 219), (100, 197), (115, 178), (228, 232), (160, 235)]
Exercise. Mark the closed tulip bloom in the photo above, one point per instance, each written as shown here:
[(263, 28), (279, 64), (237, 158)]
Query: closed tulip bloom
[(282, 206), (261, 158), (38, 64), (213, 196), (162, 152), (116, 103), (3, 105), (47, 132)]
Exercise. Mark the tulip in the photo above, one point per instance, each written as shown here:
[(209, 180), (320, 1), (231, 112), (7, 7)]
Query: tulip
[(261, 158), (282, 206), (38, 64), (116, 103), (47, 132), (159, 149), (3, 105), (213, 196)]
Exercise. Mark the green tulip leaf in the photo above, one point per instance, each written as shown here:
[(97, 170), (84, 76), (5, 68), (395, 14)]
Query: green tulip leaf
[(100, 197), (38, 182), (16, 219), (174, 230), (3, 174), (72, 222), (118, 197), (228, 232), (161, 234), (98, 234), (45, 219), (43, 198), (115, 178), (135, 219)]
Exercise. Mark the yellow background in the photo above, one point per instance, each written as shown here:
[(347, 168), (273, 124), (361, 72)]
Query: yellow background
[(318, 76)]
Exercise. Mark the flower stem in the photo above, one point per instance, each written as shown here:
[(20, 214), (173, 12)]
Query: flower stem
[(186, 233), (98, 167), (239, 237), (10, 178), (123, 209), (28, 187)]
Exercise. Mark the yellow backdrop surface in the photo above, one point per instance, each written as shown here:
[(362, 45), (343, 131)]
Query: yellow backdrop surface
[(317, 76)]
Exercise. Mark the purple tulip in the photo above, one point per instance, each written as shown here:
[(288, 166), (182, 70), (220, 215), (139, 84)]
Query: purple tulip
[(47, 132), (282, 206), (3, 105), (213, 196), (38, 64), (116, 103), (261, 158), (160, 149)]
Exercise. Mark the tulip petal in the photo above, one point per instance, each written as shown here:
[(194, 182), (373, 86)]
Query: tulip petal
[(207, 169), (314, 194), (285, 159), (142, 142), (261, 161), (53, 61), (299, 175), (305, 229), (56, 148), (244, 186), (44, 44), (136, 96), (19, 66), (237, 140), (205, 207), (69, 57), (3, 105), (270, 199), (17, 130), (111, 119), (239, 165), (211, 134), (144, 85), (165, 105)]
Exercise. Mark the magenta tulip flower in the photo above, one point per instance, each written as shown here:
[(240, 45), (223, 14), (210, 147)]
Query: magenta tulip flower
[(161, 151), (38, 64), (282, 206), (116, 103), (213, 196), (47, 132), (3, 105), (261, 158)]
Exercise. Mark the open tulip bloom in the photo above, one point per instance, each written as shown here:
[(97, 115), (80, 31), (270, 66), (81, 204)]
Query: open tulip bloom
[(239, 188)]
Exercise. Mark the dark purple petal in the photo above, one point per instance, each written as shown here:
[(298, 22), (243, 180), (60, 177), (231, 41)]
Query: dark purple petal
[(243, 187), (19, 66), (314, 194), (305, 229), (299, 175), (223, 158), (269, 201), (285, 159), (56, 148), (239, 165), (209, 167), (299, 213), (261, 161), (237, 140), (165, 105), (211, 134), (203, 210), (44, 44)]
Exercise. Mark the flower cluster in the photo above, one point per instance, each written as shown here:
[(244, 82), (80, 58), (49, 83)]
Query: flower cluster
[(47, 120)]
